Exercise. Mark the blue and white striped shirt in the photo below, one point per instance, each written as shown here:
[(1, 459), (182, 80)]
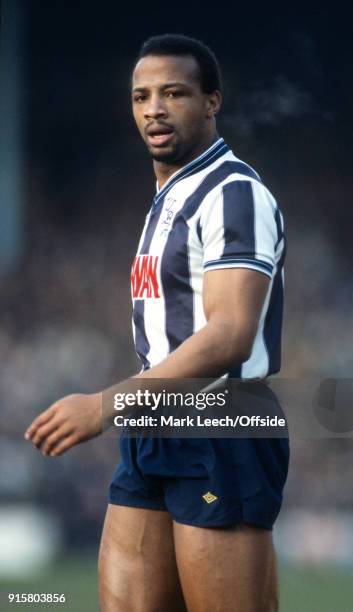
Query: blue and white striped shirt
[(213, 213)]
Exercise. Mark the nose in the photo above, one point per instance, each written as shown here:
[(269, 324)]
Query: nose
[(155, 107)]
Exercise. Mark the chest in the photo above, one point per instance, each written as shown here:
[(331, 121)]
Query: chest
[(169, 251)]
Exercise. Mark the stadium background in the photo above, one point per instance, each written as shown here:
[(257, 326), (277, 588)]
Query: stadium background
[(75, 185)]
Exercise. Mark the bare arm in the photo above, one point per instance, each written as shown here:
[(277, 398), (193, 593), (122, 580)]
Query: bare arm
[(233, 299)]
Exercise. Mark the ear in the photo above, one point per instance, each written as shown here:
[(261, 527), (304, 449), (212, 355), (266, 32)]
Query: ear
[(213, 104)]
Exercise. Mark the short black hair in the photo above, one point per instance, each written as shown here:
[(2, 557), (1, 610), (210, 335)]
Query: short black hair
[(178, 44)]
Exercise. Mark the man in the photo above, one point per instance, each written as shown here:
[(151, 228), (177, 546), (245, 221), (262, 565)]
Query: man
[(189, 521)]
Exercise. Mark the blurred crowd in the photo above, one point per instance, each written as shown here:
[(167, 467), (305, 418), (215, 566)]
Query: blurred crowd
[(65, 328)]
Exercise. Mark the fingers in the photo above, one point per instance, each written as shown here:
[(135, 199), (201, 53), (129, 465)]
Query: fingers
[(43, 418), (40, 435), (64, 445), (64, 424), (48, 429), (54, 438)]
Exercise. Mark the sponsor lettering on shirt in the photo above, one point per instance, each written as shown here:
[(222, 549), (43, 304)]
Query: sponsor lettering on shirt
[(144, 279)]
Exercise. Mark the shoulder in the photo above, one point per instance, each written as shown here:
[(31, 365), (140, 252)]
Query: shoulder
[(230, 180)]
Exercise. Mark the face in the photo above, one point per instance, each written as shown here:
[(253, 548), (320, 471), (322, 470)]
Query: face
[(174, 117)]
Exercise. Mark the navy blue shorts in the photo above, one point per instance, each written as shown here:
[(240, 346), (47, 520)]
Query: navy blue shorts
[(207, 482)]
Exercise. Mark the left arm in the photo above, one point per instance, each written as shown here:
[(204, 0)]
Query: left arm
[(233, 299)]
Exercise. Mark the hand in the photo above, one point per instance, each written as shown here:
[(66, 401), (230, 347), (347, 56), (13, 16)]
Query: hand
[(71, 420)]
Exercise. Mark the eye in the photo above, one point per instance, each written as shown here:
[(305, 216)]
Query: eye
[(139, 98), (173, 94)]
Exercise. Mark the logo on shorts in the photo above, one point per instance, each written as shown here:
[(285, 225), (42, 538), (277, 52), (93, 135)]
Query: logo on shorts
[(209, 497), (144, 279)]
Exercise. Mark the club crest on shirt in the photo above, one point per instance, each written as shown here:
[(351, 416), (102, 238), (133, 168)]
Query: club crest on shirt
[(144, 278), (167, 216)]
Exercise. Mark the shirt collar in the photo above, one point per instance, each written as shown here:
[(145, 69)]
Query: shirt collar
[(216, 150)]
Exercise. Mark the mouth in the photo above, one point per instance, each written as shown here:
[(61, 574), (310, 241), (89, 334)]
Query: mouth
[(159, 135)]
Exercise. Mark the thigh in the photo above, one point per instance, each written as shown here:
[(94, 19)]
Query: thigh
[(137, 567), (226, 570)]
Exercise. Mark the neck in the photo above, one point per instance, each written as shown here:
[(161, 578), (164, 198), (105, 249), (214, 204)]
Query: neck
[(164, 171)]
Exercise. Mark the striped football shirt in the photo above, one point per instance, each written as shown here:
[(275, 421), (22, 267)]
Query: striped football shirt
[(213, 213)]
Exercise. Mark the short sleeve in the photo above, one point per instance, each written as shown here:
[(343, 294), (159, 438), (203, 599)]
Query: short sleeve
[(239, 228)]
